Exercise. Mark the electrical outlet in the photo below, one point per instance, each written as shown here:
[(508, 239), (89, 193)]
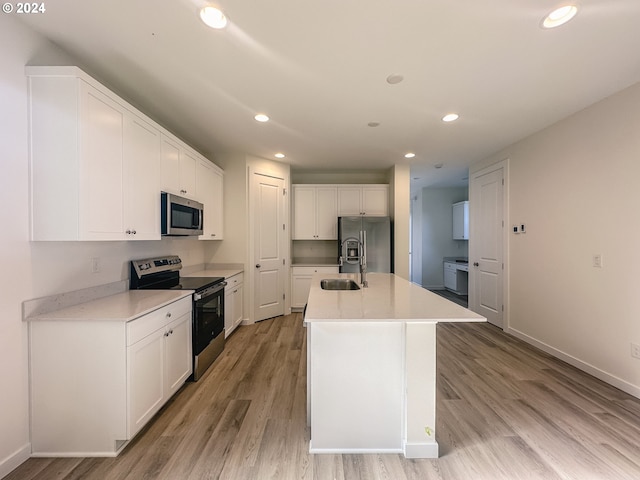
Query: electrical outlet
[(597, 260), (95, 265), (635, 350), (515, 229)]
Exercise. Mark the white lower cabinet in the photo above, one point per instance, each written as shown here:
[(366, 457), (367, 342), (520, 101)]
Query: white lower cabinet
[(301, 283), (233, 303), (96, 383), (157, 366)]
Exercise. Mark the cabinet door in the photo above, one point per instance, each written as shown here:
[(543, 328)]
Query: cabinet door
[(145, 380), (450, 274), (304, 213), (102, 125), (178, 354), (375, 200), (300, 285), (228, 311), (461, 221), (142, 149), (188, 167), (349, 201), (170, 166), (326, 213), (237, 305), (209, 192), (217, 216)]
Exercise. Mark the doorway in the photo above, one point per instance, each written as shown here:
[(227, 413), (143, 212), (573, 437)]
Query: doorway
[(487, 242), (268, 245)]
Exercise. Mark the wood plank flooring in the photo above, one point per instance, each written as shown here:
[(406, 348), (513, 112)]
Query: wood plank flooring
[(505, 411)]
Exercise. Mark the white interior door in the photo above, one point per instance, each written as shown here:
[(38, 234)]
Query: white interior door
[(486, 244), (268, 234)]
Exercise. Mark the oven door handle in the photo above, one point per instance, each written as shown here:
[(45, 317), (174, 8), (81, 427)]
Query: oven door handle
[(209, 291)]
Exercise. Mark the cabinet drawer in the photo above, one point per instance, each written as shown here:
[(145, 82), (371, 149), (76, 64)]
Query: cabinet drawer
[(234, 281), (147, 324), (450, 266), (312, 270)]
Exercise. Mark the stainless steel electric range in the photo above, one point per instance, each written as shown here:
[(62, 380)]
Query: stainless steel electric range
[(162, 273)]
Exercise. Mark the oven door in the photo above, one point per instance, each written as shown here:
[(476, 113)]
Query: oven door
[(208, 317)]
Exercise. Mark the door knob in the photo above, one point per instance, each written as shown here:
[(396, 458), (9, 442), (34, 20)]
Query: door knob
[(258, 265), (476, 264)]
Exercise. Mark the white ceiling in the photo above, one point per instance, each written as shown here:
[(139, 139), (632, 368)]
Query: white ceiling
[(319, 70)]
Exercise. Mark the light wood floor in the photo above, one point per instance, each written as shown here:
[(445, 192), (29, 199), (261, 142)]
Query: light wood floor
[(505, 411)]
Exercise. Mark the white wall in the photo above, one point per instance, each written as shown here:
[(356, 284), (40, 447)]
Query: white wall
[(437, 232), (37, 269), (576, 187)]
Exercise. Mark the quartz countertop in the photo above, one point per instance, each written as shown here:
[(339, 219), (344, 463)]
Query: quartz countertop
[(121, 307), (387, 298), (215, 272)]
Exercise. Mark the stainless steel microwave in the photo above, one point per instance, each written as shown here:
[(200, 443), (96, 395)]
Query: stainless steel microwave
[(180, 216)]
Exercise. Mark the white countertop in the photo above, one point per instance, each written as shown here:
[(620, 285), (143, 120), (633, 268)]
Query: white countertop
[(215, 272), (121, 307), (387, 298)]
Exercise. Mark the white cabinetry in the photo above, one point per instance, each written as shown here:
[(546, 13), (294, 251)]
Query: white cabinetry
[(209, 188), (96, 382), (233, 303), (141, 195), (92, 161), (97, 165), (356, 200), (158, 363), (178, 168), (461, 221), (315, 214), (456, 277), (301, 283)]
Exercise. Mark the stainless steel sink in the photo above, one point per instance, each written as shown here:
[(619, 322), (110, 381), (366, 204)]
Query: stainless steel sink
[(338, 284)]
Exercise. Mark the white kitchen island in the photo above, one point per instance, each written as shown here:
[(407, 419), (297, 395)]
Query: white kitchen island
[(371, 365)]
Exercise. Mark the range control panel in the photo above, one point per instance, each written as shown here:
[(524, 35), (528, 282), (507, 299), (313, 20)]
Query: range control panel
[(148, 266)]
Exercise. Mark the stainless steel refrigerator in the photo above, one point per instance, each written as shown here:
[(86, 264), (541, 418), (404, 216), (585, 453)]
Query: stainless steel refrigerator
[(357, 235)]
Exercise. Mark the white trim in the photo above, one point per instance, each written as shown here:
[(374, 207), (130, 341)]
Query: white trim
[(421, 450), (585, 367), (352, 451), (13, 461)]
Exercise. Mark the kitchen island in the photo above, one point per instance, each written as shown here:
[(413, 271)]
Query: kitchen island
[(371, 365)]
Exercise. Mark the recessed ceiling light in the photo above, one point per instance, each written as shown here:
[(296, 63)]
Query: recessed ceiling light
[(261, 117), (438, 165), (373, 124), (409, 155), (279, 155), (213, 17), (559, 16), (394, 78), (450, 117)]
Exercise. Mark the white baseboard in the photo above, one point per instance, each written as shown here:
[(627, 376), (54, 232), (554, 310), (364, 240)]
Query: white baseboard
[(13, 461), (571, 360), (421, 450)]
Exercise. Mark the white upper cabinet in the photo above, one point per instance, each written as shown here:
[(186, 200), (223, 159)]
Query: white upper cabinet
[(315, 215), (356, 200), (92, 161), (98, 165), (461, 221), (209, 190), (142, 179), (178, 168)]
